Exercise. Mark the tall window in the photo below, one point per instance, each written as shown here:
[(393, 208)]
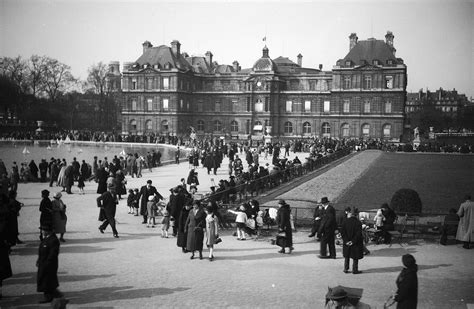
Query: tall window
[(217, 126), (306, 128), (289, 106), (267, 104), (181, 104), (149, 83), (288, 127), (200, 106), (367, 82), (149, 104), (307, 106), (249, 107), (235, 105), (326, 129), (247, 126), (166, 83), (134, 105), (387, 130), (346, 108), (366, 106), (388, 107), (366, 129), (347, 82), (165, 104), (388, 82), (259, 106), (234, 126), (149, 125), (345, 130), (200, 125), (218, 106), (164, 126), (327, 106), (134, 83), (133, 125)]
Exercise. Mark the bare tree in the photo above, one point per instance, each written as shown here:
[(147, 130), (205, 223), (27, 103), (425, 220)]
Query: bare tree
[(36, 78), (16, 70), (58, 78)]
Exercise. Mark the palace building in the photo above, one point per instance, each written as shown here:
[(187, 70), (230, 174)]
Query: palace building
[(166, 91)]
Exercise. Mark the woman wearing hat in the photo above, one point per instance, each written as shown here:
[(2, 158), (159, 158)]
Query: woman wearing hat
[(407, 284), (353, 245), (195, 224), (46, 209), (284, 225), (59, 215)]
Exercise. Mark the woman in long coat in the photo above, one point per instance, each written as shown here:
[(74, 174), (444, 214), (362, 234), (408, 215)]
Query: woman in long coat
[(61, 177), (353, 244), (102, 180), (195, 224), (181, 239), (46, 209), (284, 225), (212, 224), (47, 277), (407, 284), (465, 231), (59, 215)]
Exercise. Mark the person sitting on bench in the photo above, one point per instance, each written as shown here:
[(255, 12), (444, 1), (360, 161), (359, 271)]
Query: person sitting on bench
[(449, 227)]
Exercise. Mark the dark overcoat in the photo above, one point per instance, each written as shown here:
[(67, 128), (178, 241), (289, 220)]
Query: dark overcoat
[(47, 279), (328, 222), (181, 240), (195, 225), (108, 203), (407, 289), (284, 224), (351, 230), (46, 209), (143, 195), (102, 180)]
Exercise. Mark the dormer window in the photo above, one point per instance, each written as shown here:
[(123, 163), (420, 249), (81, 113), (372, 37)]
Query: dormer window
[(376, 62), (145, 66), (156, 66), (363, 62), (390, 62), (348, 63)]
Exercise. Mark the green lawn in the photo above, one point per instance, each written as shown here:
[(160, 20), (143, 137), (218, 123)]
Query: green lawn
[(441, 180)]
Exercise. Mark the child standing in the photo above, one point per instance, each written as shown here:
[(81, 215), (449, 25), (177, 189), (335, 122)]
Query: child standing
[(136, 197), (151, 209), (80, 184), (130, 200), (378, 219), (165, 224), (240, 220)]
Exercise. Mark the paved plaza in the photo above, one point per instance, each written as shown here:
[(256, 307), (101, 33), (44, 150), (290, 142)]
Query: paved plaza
[(142, 270)]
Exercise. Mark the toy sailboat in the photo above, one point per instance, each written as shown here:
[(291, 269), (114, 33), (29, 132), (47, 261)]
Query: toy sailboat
[(25, 151), (49, 148), (67, 140), (123, 153), (79, 151)]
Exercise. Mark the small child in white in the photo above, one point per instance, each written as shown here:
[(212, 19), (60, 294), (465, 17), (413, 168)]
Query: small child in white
[(151, 210), (378, 220), (165, 224), (240, 220)]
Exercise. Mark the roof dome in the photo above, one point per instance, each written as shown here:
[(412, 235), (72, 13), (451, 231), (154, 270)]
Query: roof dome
[(264, 63)]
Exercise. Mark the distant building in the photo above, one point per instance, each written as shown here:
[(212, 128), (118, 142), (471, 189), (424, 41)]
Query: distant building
[(166, 91)]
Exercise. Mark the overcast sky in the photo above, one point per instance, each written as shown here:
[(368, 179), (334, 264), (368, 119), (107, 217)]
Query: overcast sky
[(434, 38)]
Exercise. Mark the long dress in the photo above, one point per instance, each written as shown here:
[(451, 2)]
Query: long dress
[(466, 223), (59, 216), (182, 235), (195, 224), (61, 178), (211, 230)]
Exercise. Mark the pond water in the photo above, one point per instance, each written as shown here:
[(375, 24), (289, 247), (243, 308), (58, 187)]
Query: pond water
[(25, 151)]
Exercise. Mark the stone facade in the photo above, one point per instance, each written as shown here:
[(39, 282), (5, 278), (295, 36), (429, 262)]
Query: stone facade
[(166, 91)]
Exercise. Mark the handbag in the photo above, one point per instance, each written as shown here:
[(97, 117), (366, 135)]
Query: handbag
[(250, 223), (218, 240)]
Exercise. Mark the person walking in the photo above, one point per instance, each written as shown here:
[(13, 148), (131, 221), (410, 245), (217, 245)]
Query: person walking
[(195, 224), (47, 263), (46, 209), (284, 225), (212, 225), (181, 239), (465, 231), (353, 245), (107, 203), (145, 192), (59, 216), (69, 177), (327, 230), (407, 284)]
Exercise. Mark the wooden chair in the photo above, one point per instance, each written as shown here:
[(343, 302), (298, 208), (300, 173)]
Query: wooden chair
[(399, 231), (412, 230)]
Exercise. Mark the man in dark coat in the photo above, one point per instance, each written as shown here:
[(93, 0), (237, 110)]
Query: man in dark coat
[(318, 214), (284, 225), (43, 169), (46, 209), (75, 168), (176, 204), (69, 177), (327, 230), (407, 284), (107, 203), (143, 195), (101, 177), (47, 279), (353, 245)]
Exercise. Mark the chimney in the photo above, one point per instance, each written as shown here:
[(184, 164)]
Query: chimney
[(209, 57), (176, 48), (265, 52), (320, 66), (185, 54), (236, 66), (146, 45), (352, 40), (389, 41), (114, 68), (300, 59)]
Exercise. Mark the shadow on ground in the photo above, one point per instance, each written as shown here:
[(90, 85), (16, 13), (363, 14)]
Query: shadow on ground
[(91, 296), (399, 268), (30, 278)]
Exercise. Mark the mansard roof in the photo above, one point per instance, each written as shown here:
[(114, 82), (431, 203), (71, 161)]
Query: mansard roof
[(162, 55), (370, 50), (223, 68), (199, 64)]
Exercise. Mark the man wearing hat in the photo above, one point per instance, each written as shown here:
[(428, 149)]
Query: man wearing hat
[(338, 297), (47, 263), (353, 244), (327, 229), (107, 202), (46, 209), (145, 192), (176, 204)]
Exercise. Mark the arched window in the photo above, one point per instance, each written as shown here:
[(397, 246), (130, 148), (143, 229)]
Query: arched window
[(306, 128), (217, 126), (234, 126), (133, 125), (288, 127), (345, 130), (164, 126), (365, 129), (387, 130), (200, 125), (326, 129), (259, 105), (149, 125)]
